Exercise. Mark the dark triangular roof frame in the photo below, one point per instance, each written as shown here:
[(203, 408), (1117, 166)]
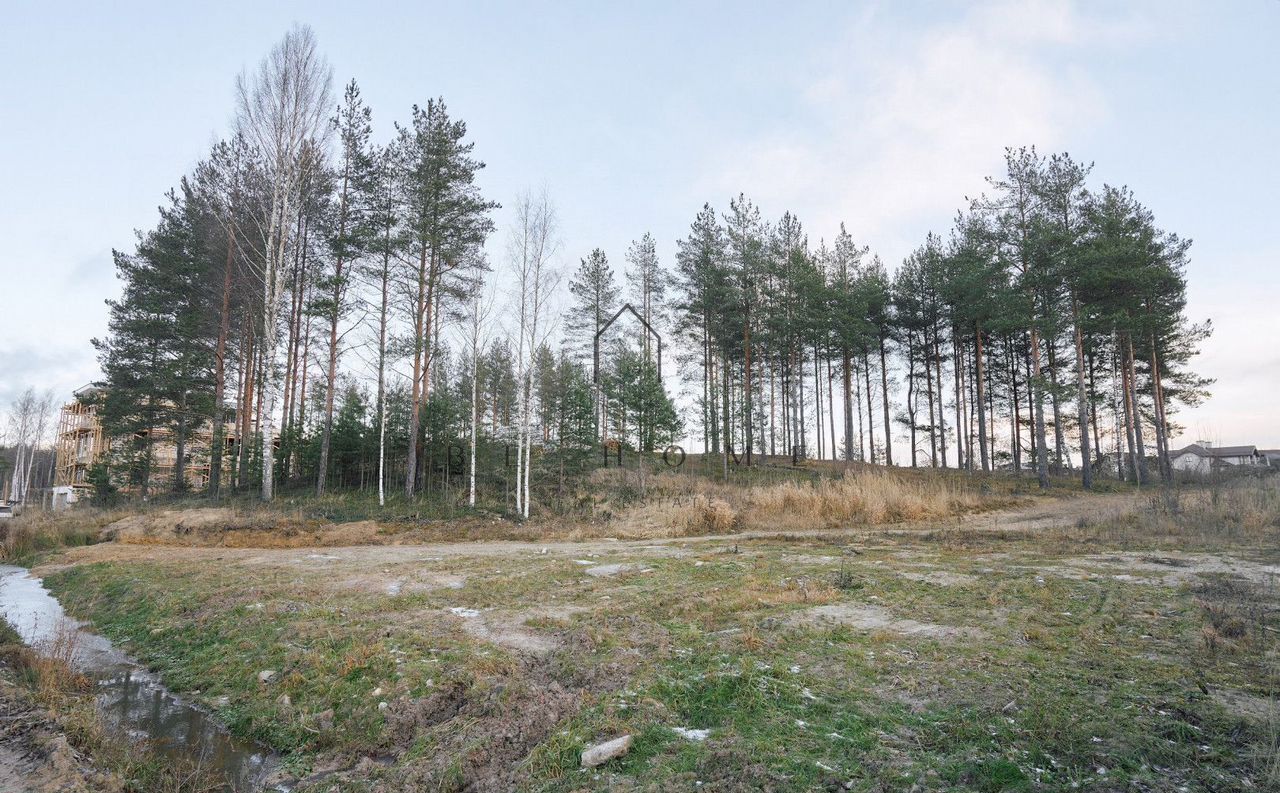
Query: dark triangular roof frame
[(595, 370)]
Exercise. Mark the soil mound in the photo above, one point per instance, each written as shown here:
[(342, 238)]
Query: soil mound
[(220, 526)]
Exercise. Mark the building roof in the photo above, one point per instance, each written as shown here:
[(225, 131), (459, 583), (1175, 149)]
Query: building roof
[(1216, 451)]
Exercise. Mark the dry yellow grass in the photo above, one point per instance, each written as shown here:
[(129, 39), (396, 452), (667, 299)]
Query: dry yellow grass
[(51, 664), (710, 516), (38, 530), (867, 497), (677, 506)]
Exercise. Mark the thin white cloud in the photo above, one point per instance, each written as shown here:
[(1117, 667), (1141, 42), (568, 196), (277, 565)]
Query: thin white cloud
[(904, 124)]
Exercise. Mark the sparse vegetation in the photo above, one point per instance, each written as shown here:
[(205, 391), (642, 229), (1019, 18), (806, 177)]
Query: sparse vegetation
[(33, 533), (1133, 651)]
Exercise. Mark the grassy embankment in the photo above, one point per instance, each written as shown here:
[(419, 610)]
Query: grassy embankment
[(625, 504), (1133, 653)]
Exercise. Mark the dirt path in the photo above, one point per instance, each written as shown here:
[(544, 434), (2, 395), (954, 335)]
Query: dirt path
[(1036, 513)]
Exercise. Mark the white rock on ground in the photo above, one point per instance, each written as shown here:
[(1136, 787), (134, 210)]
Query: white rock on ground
[(266, 676), (691, 734), (602, 753)]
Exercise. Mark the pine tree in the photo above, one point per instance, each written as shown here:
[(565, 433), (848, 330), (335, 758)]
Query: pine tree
[(157, 358), (350, 239), (595, 299), (702, 279), (446, 220), (648, 283)]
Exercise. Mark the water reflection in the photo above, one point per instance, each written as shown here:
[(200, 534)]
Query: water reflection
[(129, 697)]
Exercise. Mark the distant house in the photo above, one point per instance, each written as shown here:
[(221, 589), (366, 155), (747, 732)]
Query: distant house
[(1204, 457), (1272, 455)]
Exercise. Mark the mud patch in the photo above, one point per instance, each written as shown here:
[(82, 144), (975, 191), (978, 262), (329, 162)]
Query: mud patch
[(35, 756), (482, 731), (866, 617), (799, 558), (511, 630), (404, 583), (1251, 707)]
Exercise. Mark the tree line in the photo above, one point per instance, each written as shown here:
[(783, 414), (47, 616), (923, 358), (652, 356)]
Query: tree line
[(323, 308), (1049, 316)]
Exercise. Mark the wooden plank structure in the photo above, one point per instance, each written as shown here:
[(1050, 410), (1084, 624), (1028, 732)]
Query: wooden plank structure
[(81, 443)]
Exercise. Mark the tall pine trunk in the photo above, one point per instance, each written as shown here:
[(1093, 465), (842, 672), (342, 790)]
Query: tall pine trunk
[(218, 445), (980, 382), (848, 407), (1059, 442), (420, 331), (831, 408), (957, 365), (1082, 399), (1143, 475), (335, 312), (382, 369), (884, 391), (1162, 427), (928, 384), (1036, 395), (942, 416)]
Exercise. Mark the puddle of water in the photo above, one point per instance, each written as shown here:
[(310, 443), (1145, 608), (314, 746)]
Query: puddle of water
[(129, 697)]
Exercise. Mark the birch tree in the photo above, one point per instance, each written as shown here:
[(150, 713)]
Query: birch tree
[(479, 309), (385, 244), (29, 424), (280, 110), (529, 250)]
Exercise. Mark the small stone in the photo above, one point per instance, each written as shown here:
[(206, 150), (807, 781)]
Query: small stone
[(383, 706), (602, 753), (377, 692), (691, 734), (284, 701), (266, 676)]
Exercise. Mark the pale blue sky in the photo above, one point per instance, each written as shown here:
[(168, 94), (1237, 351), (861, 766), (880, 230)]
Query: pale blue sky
[(883, 115)]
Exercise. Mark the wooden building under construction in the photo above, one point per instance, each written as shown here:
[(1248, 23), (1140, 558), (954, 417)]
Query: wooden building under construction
[(81, 444)]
